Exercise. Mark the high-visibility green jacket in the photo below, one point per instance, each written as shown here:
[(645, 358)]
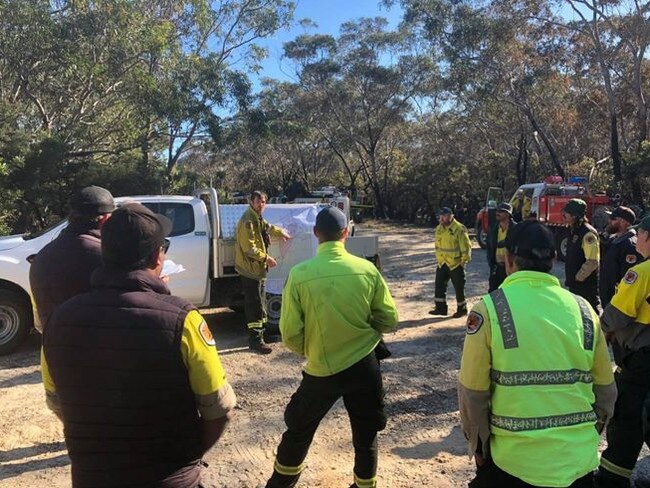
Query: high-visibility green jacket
[(544, 364), (251, 251), (334, 308), (453, 246)]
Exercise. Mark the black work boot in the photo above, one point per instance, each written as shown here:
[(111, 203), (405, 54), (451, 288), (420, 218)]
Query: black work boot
[(256, 341), (282, 480), (462, 310), (439, 310)]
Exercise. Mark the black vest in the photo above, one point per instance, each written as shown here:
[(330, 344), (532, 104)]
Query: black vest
[(130, 416), (575, 257)]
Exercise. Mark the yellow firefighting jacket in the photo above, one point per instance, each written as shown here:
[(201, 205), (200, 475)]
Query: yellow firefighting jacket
[(453, 246)]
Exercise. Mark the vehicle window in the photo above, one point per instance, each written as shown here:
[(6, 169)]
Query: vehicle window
[(34, 235), (181, 215)]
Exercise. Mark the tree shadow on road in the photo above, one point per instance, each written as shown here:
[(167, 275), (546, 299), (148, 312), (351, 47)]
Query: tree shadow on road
[(32, 378), (428, 450), (20, 453)]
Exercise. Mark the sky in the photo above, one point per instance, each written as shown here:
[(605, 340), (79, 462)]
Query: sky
[(329, 15)]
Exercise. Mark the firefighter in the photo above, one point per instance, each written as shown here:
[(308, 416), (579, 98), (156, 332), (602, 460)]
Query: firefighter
[(517, 201), (627, 318), (252, 261), (618, 252), (453, 252), (496, 253), (532, 415), (335, 307), (526, 207), (582, 254)]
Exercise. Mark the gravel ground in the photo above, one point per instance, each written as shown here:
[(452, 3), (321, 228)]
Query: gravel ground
[(421, 446)]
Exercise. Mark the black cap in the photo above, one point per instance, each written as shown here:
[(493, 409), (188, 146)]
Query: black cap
[(131, 234), (505, 207), (624, 213), (331, 219), (445, 211), (92, 200), (530, 239), (576, 207)]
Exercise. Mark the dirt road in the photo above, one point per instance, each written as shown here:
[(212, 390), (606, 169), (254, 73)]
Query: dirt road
[(422, 445)]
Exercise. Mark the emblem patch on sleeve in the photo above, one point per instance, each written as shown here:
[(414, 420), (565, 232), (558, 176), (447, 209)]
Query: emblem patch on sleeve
[(630, 277), (206, 335), (474, 322), (590, 238), (630, 258)]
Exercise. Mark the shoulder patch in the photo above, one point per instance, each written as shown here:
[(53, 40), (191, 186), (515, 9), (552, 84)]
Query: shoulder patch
[(630, 258), (206, 334), (474, 322), (590, 238), (630, 277)]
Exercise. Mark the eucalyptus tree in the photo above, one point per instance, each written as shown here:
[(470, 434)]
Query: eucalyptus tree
[(361, 84), (101, 83)]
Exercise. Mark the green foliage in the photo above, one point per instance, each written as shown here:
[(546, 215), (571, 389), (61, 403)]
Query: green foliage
[(116, 92)]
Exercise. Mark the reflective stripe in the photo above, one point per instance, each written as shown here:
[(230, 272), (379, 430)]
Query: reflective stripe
[(440, 300), (255, 325), (365, 483), (449, 249), (521, 378), (462, 304), (613, 468), (518, 424), (288, 470), (504, 316), (587, 323)]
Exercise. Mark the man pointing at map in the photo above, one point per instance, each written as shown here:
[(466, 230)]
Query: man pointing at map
[(252, 262)]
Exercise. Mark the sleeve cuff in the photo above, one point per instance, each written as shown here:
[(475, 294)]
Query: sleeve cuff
[(217, 404)]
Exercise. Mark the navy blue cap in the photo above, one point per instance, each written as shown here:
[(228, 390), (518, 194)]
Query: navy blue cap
[(445, 211), (331, 219)]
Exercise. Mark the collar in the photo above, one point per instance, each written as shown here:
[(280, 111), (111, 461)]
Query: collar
[(629, 233), (253, 212), (532, 278), (127, 280), (89, 228), (333, 247)]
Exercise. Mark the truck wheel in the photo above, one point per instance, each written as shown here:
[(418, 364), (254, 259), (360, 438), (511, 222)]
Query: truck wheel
[(561, 242), (15, 320), (273, 306), (481, 236)]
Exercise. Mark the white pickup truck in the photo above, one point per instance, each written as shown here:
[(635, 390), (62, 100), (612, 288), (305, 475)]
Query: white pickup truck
[(202, 241)]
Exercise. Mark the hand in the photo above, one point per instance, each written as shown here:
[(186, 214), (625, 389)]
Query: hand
[(165, 279), (271, 262), (285, 235)]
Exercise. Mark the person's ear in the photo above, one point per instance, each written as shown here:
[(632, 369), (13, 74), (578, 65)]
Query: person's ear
[(345, 232), (158, 258), (510, 263)]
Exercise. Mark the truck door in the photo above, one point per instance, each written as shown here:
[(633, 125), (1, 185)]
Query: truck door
[(190, 246)]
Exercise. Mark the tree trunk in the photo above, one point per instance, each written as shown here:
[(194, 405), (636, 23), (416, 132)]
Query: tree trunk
[(555, 159), (615, 152)]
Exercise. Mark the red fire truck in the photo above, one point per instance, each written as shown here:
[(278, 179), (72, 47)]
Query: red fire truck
[(544, 201)]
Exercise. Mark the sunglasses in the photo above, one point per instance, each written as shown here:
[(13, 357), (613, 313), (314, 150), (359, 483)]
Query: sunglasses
[(165, 245)]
